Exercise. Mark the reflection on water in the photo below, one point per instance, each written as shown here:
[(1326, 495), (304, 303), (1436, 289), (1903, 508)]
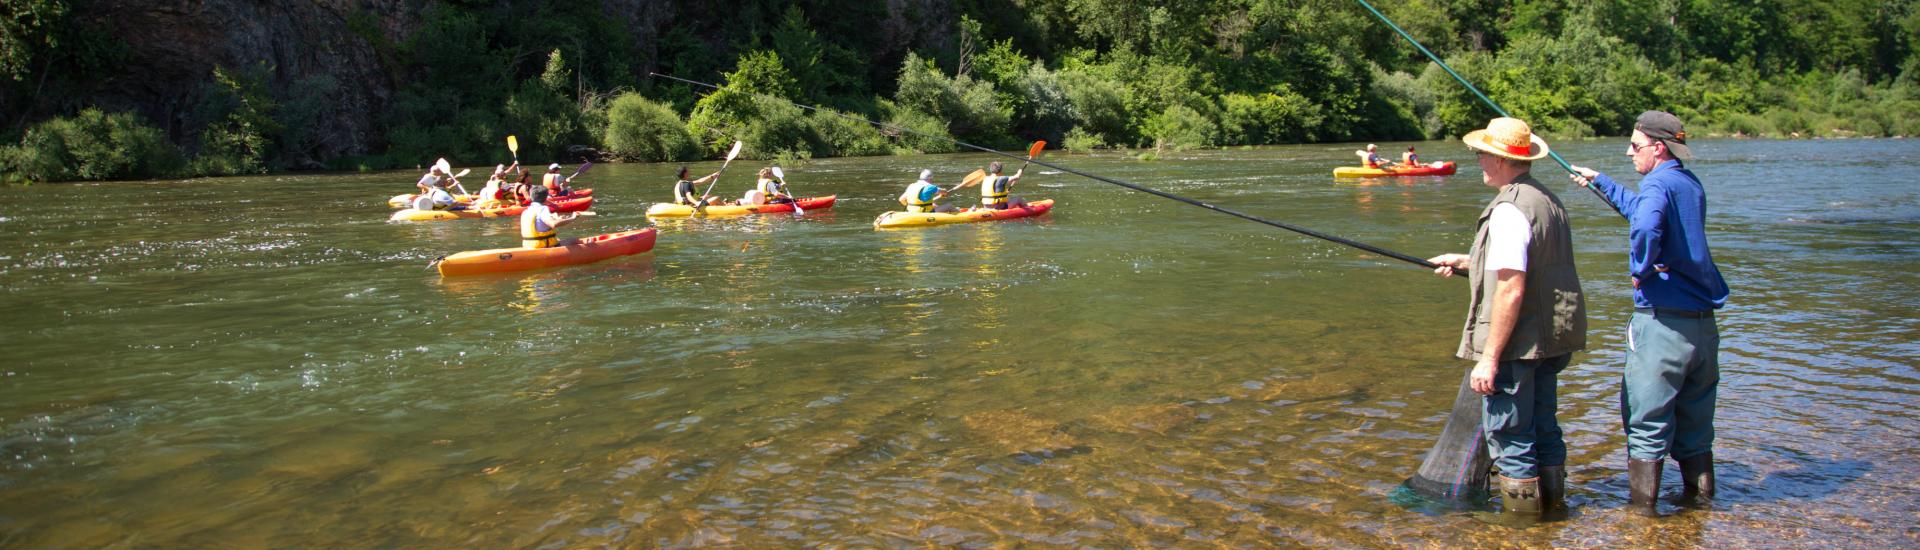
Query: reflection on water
[(1127, 371)]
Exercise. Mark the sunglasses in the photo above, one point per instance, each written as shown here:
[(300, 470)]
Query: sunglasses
[(1636, 147)]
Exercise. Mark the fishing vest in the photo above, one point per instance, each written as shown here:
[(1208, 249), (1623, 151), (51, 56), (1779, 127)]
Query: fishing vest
[(1552, 319), (531, 233), (917, 197), (993, 190)]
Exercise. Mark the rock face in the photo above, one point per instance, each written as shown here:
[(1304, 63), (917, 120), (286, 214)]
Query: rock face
[(175, 45)]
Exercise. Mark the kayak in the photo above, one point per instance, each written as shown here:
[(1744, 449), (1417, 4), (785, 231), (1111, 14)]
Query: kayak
[(570, 252), (404, 201), (1429, 169), (891, 220), (670, 210), (570, 204)]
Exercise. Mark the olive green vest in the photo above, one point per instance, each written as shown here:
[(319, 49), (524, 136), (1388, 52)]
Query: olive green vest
[(1553, 313)]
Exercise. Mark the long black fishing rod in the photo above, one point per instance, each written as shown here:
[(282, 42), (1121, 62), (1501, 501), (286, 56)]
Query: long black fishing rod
[(1147, 190), (1483, 97)]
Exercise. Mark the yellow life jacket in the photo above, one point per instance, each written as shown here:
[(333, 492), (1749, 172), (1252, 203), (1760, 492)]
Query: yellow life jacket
[(914, 203), (994, 190), (551, 181), (770, 188), (531, 234)]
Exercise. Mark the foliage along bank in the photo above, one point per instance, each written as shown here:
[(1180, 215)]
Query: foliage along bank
[(1084, 74)]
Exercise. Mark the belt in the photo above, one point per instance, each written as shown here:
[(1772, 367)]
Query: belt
[(1669, 312)]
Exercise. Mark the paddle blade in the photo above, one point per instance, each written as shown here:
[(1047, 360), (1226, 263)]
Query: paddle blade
[(463, 173), (513, 144), (444, 166), (581, 170), (972, 179), (779, 175), (735, 152), (1035, 150)]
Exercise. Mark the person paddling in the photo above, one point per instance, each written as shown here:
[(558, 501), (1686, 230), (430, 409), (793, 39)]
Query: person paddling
[(539, 226), (555, 183), (435, 178), (1371, 157), (996, 191), (687, 191), (772, 187), (498, 191), (1526, 316), (920, 196), (1410, 158)]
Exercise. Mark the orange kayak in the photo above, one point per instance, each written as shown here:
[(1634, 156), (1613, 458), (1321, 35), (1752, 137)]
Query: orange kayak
[(1429, 169), (570, 252)]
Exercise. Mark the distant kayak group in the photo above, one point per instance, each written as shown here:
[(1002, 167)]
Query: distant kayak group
[(550, 202), (545, 205)]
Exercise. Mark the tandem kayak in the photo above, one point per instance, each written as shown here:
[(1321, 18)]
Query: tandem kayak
[(1429, 169), (569, 204), (670, 210), (570, 252), (405, 201), (891, 220)]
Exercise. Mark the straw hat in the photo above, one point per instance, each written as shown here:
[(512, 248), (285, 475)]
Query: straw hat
[(1508, 138)]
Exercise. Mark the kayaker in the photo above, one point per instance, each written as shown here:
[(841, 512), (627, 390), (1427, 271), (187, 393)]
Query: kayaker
[(1371, 157), (920, 196), (498, 191), (772, 188), (436, 198), (555, 183), (1410, 158), (1673, 358), (539, 226), (434, 179), (996, 191), (687, 191), (1526, 317)]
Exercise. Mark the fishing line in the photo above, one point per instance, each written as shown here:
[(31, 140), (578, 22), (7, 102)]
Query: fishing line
[(1142, 189), (1483, 97)]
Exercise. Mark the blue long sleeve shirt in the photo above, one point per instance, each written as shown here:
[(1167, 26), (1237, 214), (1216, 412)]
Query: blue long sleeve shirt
[(1667, 225)]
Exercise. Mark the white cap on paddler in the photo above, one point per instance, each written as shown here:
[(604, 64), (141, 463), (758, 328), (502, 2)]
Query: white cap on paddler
[(926, 175), (554, 166)]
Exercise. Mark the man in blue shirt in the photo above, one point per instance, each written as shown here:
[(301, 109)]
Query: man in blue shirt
[(1673, 342)]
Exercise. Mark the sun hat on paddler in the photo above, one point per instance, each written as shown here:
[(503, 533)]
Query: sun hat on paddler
[(1663, 126), (554, 166), (1507, 138)]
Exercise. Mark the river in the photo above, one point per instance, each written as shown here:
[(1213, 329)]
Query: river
[(266, 362)]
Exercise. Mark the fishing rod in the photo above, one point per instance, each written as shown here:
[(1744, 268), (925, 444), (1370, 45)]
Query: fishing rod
[(1483, 97), (1135, 187)]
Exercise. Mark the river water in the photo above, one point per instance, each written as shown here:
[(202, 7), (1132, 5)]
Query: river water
[(264, 362)]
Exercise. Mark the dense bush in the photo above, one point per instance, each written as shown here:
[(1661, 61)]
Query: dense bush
[(241, 130), (641, 130), (1284, 117), (90, 146), (1180, 127), (970, 107)]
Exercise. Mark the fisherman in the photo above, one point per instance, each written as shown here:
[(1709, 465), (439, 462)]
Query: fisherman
[(1526, 317), (920, 196), (539, 226), (1371, 157), (687, 191), (555, 183), (1668, 393), (996, 191), (773, 189)]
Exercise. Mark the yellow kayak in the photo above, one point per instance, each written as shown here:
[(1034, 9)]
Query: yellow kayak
[(406, 201), (670, 210), (891, 220)]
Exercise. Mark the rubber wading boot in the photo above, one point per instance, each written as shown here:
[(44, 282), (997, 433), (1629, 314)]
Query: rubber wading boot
[(1643, 485), (1696, 476), (1520, 496), (1553, 492)]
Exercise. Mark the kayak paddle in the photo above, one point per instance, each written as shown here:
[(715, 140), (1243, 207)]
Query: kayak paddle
[(782, 176), (735, 152), (1032, 152)]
